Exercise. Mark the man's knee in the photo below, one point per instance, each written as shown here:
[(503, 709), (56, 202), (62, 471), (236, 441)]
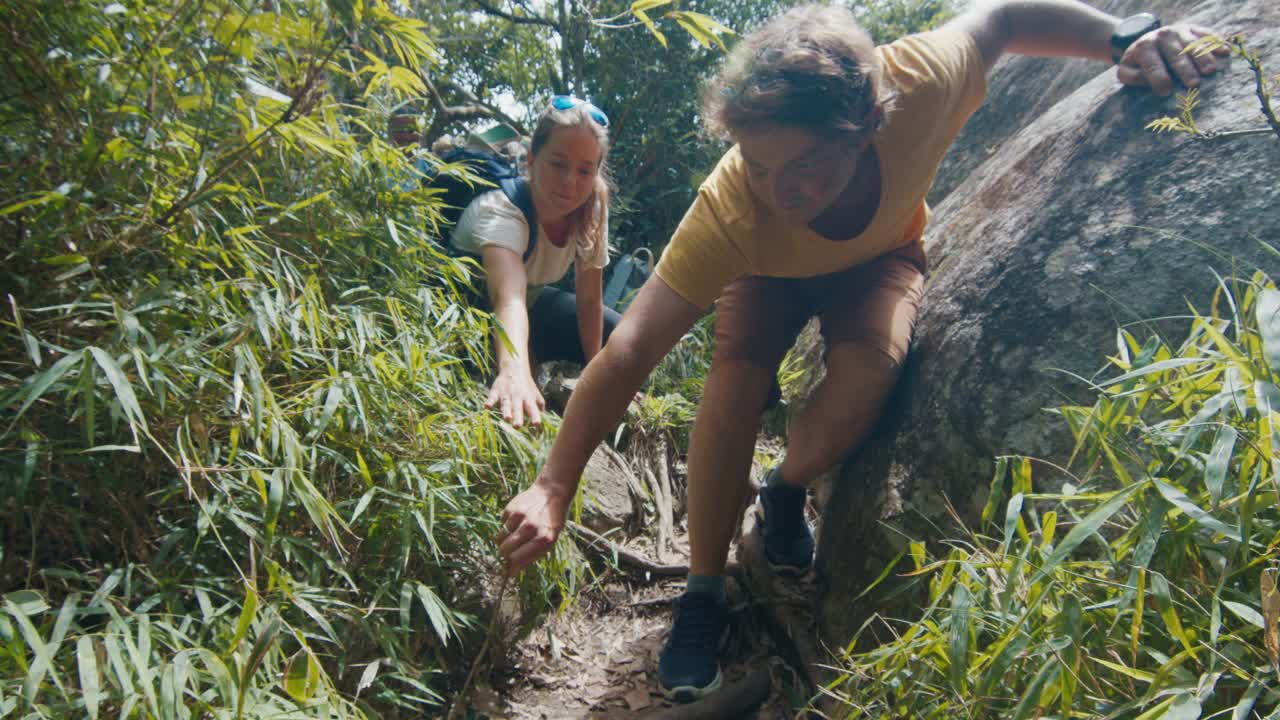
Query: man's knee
[(742, 372), (867, 357)]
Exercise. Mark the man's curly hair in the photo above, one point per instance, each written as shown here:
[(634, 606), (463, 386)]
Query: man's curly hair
[(812, 67)]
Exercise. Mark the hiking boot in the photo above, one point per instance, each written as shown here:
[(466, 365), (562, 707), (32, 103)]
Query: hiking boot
[(788, 541), (689, 666)]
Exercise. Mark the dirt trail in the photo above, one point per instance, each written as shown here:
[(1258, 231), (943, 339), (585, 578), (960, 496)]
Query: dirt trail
[(599, 659)]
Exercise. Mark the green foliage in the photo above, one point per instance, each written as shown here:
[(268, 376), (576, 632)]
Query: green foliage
[(1264, 87), (1140, 589), (649, 87), (684, 370), (240, 445), (888, 20)]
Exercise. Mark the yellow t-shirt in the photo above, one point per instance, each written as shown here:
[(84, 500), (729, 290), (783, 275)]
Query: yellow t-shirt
[(940, 80)]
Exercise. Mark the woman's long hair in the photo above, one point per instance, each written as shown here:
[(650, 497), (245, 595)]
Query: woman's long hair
[(587, 221)]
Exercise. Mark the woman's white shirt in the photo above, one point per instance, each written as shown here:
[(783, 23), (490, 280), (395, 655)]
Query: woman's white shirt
[(492, 219)]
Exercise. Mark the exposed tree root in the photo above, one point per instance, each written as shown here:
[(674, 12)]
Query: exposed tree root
[(592, 542), (789, 620), (731, 701)]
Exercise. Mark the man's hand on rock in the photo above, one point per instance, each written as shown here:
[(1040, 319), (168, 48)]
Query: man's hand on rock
[(1157, 59)]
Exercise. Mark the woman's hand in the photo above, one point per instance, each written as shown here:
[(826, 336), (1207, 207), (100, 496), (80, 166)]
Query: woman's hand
[(531, 523), (516, 396), (1156, 59)]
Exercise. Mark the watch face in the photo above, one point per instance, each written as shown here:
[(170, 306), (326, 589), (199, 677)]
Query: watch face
[(1136, 26)]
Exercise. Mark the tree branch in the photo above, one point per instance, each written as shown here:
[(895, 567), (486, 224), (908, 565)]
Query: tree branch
[(470, 109), (517, 19)]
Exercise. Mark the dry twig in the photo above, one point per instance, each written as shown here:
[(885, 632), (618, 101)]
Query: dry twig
[(460, 700)]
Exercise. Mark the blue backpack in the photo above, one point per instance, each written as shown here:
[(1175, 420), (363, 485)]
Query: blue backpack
[(458, 193), (628, 274)]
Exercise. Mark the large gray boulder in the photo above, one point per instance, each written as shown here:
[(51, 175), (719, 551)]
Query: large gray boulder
[(1021, 89), (1079, 222), (610, 491)]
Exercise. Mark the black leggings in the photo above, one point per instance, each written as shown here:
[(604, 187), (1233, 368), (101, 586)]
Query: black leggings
[(553, 327)]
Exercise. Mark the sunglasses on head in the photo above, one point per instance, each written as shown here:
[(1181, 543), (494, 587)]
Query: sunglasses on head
[(566, 102)]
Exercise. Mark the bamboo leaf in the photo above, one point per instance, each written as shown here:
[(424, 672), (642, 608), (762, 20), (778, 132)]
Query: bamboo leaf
[(265, 91), (41, 382), (1009, 648), (1271, 615), (995, 494), (90, 685), (1048, 528), (247, 613), (1154, 368), (1030, 700), (1243, 708), (643, 5), (1224, 345), (1085, 529), (1012, 518), (315, 614), (29, 602), (362, 505), (122, 386), (1269, 327), (294, 679), (261, 647), (1246, 613), (1184, 707), (888, 569), (1164, 603), (1180, 500), (42, 665), (1215, 469), (1140, 675), (1157, 711), (275, 500), (437, 612), (958, 649), (644, 18), (333, 398), (367, 677)]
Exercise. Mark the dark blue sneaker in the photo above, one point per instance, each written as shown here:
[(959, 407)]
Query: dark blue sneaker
[(689, 666), (788, 541)]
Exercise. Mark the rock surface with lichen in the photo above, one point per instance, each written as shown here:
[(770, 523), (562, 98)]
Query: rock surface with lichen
[(1080, 221)]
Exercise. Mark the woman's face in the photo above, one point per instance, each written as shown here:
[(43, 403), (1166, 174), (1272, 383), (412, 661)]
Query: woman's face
[(563, 173), (796, 173)]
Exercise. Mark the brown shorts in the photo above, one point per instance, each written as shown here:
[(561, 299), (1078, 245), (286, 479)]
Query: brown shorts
[(875, 304)]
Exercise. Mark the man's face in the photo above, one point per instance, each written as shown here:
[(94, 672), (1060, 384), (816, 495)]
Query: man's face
[(795, 172)]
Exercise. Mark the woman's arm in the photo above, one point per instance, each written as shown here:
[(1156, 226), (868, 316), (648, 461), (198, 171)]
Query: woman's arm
[(514, 393), (588, 292), (652, 325), (1069, 28)]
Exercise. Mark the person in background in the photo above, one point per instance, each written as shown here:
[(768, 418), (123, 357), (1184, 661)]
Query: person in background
[(818, 209), (403, 130), (568, 182)]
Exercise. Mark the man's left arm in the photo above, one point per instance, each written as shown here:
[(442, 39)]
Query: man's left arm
[(1068, 28)]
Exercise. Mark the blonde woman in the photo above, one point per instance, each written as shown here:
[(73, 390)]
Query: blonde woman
[(569, 189)]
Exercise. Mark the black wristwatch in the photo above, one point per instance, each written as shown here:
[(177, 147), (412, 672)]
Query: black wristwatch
[(1128, 32)]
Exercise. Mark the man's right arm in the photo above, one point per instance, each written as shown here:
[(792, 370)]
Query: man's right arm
[(651, 326)]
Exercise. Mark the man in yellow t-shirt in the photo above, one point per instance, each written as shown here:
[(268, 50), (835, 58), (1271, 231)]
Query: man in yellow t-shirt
[(817, 210)]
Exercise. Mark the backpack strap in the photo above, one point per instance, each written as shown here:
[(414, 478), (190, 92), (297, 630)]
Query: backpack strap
[(517, 191)]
